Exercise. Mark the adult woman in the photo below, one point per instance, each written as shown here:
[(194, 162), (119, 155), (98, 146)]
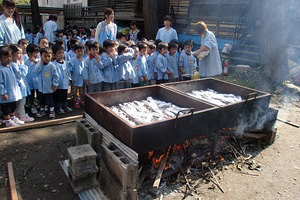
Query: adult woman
[(11, 30), (106, 29), (211, 64), (49, 27)]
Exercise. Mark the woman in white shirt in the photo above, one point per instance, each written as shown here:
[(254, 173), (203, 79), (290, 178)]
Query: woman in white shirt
[(106, 29)]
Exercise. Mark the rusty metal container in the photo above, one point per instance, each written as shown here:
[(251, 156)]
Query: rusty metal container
[(244, 113), (201, 120)]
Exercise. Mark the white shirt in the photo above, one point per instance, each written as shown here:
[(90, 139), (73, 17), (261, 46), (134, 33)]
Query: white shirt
[(166, 35)]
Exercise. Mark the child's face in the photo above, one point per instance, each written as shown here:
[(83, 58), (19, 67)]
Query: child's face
[(109, 50), (46, 57), (79, 53), (17, 55), (133, 27), (143, 51), (43, 43), (123, 40), (163, 50), (173, 50), (167, 23), (75, 32), (60, 55), (6, 59), (94, 50), (188, 49), (23, 46), (93, 32), (136, 52), (69, 37), (33, 55), (61, 35)]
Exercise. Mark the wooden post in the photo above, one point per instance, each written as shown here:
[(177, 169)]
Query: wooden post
[(273, 49), (12, 182), (150, 18), (35, 14)]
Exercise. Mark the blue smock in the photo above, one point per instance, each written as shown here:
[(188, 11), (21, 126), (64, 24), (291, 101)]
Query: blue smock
[(162, 66), (110, 71), (49, 27), (151, 62), (166, 35), (135, 68), (76, 67), (143, 66), (173, 64), (126, 71), (29, 37), (9, 31), (93, 71), (188, 62), (31, 77), (64, 76), (37, 38), (48, 77), (21, 71), (104, 31)]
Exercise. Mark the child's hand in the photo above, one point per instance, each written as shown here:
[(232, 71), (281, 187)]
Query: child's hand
[(167, 72), (4, 97), (171, 75), (33, 60), (137, 67), (87, 82), (112, 55), (54, 88), (146, 78)]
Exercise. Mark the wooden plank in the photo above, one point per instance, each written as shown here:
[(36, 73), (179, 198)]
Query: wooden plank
[(41, 124), (161, 168), (12, 182)]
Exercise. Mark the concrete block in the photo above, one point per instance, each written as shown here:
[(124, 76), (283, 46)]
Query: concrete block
[(87, 134), (82, 158), (82, 183), (119, 166)]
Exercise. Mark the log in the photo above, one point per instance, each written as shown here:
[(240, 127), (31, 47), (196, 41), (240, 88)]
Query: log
[(12, 182), (161, 168)]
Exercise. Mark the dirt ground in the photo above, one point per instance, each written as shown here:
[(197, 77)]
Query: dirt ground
[(35, 155)]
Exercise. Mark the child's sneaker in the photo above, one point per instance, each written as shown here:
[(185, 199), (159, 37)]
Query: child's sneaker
[(60, 111), (68, 109), (10, 123), (34, 110), (76, 104), (46, 108), (27, 105), (41, 113), (52, 114), (17, 121), (26, 118)]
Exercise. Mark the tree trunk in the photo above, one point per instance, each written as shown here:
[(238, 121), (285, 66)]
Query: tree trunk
[(150, 18), (273, 48), (35, 15)]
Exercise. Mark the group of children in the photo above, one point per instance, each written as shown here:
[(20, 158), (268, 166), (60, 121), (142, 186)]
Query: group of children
[(30, 71)]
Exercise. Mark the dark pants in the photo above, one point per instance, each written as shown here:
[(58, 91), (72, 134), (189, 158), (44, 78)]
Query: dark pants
[(46, 98), (8, 108), (161, 81), (60, 98), (109, 86), (135, 85)]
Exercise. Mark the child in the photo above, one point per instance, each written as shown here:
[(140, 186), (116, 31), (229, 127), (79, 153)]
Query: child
[(48, 81), (61, 36), (76, 66), (162, 64), (29, 36), (9, 89), (31, 77), (20, 71), (172, 59), (135, 33), (121, 38), (126, 72), (187, 61), (93, 33), (136, 80), (92, 73), (23, 44), (61, 94), (62, 44), (72, 54), (142, 64), (43, 42), (151, 62), (167, 33), (86, 50), (39, 35), (69, 37), (109, 61)]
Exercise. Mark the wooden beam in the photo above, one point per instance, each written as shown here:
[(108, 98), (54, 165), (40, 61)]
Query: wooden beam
[(161, 168), (41, 124), (12, 182)]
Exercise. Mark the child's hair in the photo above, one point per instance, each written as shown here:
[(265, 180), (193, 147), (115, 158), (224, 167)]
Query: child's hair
[(23, 41), (60, 31), (168, 17), (108, 43), (121, 48), (82, 32), (87, 44), (56, 48), (15, 48), (43, 38), (172, 45), (59, 42), (157, 41), (70, 33), (45, 50), (132, 23), (31, 48), (175, 41), (101, 49), (5, 51), (151, 45), (188, 43), (120, 35), (93, 44), (73, 41), (142, 45), (162, 45), (78, 45)]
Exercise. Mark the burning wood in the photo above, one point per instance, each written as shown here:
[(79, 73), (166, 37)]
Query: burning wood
[(213, 97), (147, 111)]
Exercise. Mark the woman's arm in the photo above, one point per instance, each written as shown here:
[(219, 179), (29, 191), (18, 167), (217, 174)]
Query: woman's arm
[(98, 30), (204, 48)]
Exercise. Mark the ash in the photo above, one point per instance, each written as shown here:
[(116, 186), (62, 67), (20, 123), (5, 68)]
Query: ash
[(147, 111)]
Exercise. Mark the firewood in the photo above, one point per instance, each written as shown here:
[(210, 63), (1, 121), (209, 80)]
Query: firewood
[(161, 168)]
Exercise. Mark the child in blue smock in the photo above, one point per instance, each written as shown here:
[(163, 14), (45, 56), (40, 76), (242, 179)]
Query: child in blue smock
[(39, 35), (167, 33), (142, 64), (110, 64), (187, 61), (172, 59), (23, 43), (126, 72), (29, 36), (76, 66), (31, 77), (61, 94), (162, 64), (151, 62), (136, 80), (71, 53), (9, 88), (20, 71), (92, 73), (48, 81)]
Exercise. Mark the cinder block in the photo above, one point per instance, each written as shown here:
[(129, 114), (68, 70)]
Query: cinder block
[(82, 158), (87, 134), (82, 183), (119, 167)]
